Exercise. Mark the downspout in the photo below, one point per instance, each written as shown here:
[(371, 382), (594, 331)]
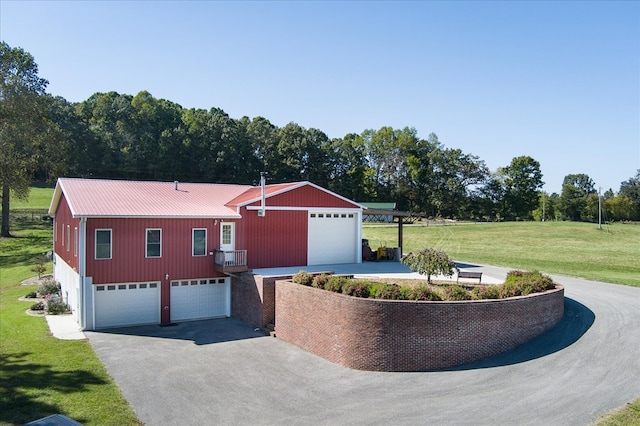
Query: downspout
[(82, 252), (359, 237)]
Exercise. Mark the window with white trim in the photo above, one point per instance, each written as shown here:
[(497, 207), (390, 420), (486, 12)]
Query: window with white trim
[(103, 244), (153, 242), (198, 242), (68, 237), (75, 241)]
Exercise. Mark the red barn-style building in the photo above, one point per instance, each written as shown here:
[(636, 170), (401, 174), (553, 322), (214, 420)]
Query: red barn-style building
[(133, 252)]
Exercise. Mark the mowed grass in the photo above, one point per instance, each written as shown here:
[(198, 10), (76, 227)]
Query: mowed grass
[(39, 198), (39, 374), (610, 254)]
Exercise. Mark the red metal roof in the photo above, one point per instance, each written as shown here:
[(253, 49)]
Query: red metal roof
[(124, 198), (121, 198)]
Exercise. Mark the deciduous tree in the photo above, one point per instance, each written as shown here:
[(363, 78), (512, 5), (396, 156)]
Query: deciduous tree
[(573, 199), (26, 131)]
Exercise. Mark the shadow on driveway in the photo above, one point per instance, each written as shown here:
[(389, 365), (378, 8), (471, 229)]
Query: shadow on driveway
[(576, 321), (203, 332)]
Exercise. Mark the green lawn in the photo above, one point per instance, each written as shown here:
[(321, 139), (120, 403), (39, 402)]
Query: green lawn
[(39, 374), (39, 198), (609, 254)]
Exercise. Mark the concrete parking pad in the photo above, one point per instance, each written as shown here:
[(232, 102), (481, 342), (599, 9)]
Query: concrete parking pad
[(226, 372)]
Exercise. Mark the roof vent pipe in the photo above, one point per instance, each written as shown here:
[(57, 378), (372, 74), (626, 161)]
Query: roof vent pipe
[(263, 181), (175, 182)]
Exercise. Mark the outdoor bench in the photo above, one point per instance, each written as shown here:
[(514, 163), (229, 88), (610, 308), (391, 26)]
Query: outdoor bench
[(469, 274)]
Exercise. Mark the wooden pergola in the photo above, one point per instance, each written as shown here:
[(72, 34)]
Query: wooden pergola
[(399, 217)]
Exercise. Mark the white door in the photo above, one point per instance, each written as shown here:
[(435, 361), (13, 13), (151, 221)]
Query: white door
[(332, 238), (228, 240), (199, 299), (126, 304)]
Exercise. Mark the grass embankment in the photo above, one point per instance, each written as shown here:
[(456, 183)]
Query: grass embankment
[(39, 374), (609, 254)]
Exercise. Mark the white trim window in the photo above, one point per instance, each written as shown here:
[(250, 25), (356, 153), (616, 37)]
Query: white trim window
[(75, 241), (199, 242), (103, 244), (68, 237), (153, 242)]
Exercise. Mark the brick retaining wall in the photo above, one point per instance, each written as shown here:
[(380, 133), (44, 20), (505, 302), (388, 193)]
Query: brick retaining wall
[(253, 298), (400, 335)]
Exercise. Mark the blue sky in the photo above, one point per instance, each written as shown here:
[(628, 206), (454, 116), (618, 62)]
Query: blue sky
[(558, 81)]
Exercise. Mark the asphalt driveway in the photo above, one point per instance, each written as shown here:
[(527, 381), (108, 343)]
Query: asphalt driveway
[(225, 372)]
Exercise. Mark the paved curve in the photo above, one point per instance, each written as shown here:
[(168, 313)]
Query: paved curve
[(224, 372)]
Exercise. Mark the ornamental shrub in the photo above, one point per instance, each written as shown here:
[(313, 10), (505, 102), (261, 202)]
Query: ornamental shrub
[(386, 291), (356, 288), (424, 292), (31, 295), (320, 281), (335, 283), (303, 277), (429, 262), (40, 265), (510, 289), (485, 292), (49, 286), (522, 283), (56, 306), (455, 292), (37, 306)]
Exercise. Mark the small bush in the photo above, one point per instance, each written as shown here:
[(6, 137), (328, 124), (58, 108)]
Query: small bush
[(485, 292), (386, 291), (455, 292), (335, 283), (356, 288), (405, 293), (424, 292), (522, 283), (320, 281), (49, 286), (37, 306), (56, 306), (40, 265), (510, 289), (31, 295), (303, 277)]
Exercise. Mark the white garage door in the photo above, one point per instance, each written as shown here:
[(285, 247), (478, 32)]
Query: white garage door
[(127, 304), (198, 299), (332, 238)]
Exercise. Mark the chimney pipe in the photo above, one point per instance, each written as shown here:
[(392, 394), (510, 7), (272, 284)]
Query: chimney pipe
[(175, 182), (263, 181)]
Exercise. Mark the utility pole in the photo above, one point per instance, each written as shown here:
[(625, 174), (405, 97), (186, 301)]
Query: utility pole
[(543, 202), (599, 208)]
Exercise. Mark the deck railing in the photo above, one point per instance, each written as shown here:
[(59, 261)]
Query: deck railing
[(230, 260)]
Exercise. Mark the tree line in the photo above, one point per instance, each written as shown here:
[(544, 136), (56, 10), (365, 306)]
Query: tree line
[(122, 136)]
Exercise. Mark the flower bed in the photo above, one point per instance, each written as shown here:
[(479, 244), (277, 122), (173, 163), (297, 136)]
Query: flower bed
[(409, 335)]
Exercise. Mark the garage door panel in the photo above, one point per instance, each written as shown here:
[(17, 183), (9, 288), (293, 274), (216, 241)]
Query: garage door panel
[(199, 299), (127, 304), (332, 237)]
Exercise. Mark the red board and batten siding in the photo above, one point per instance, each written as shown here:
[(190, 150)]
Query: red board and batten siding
[(308, 196), (277, 239), (63, 218), (128, 262), (280, 237)]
